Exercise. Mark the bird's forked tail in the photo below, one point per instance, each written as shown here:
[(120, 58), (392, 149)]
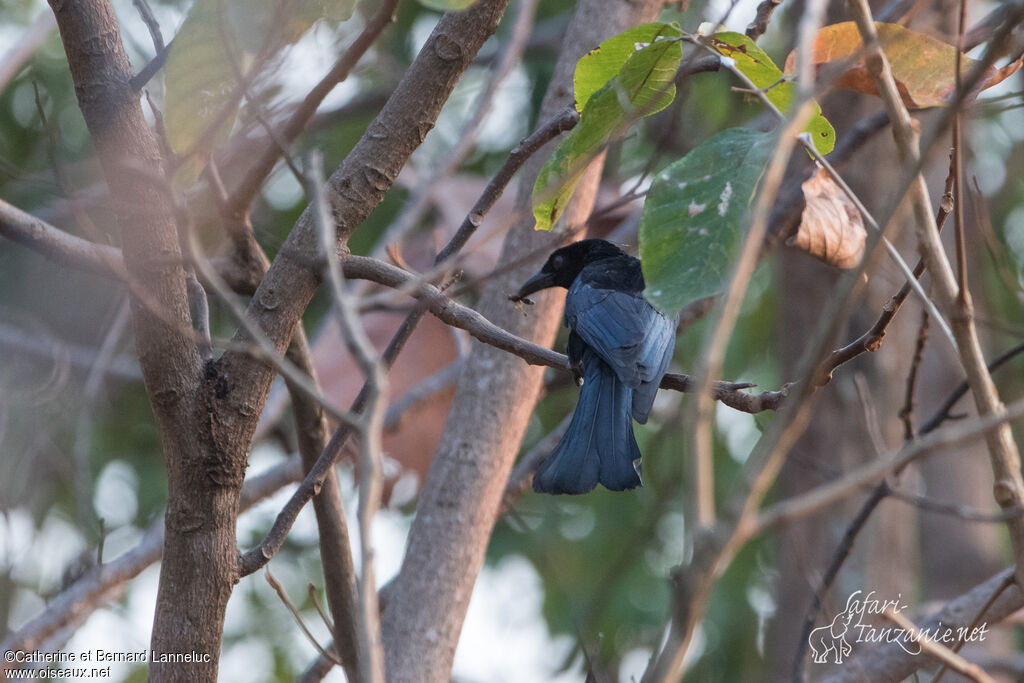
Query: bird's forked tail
[(599, 445)]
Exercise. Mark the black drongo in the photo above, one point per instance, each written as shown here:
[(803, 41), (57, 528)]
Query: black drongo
[(621, 346)]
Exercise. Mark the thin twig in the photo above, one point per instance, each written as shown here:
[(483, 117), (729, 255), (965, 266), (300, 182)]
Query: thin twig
[(1007, 582), (1004, 455), (300, 118), (369, 428), (958, 185), (152, 25), (139, 80), (315, 599), (906, 413), (964, 512), (422, 391), (279, 589), (876, 470), (943, 412), (466, 137), (871, 340), (937, 649)]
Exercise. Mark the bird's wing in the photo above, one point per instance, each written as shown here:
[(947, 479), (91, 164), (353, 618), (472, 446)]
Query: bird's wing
[(624, 330), (656, 352)]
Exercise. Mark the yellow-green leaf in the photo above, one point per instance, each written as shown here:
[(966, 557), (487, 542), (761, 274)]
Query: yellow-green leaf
[(642, 87), (600, 65), (761, 70)]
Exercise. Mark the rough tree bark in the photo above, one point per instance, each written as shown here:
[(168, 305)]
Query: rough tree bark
[(496, 393), (204, 471), (206, 415)]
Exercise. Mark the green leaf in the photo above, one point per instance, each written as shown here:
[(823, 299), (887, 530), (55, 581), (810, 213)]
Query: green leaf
[(217, 41), (601, 64), (691, 224), (448, 5), (642, 87), (761, 70)]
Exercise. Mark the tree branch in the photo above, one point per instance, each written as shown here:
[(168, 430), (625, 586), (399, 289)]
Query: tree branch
[(205, 470), (101, 583), (1005, 458), (300, 118), (891, 662), (59, 246), (461, 495)]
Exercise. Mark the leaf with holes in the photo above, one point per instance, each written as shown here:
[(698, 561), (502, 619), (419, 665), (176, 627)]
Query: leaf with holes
[(601, 64), (694, 213), (642, 87), (756, 65), (924, 67), (214, 45)]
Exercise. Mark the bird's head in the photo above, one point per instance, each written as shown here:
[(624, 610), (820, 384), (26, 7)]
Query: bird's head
[(565, 264)]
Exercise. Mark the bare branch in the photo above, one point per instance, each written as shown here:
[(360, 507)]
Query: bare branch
[(300, 118), (369, 429), (466, 137), (876, 470), (1005, 458), (942, 413), (937, 649), (152, 25), (890, 662), (757, 28), (279, 589), (59, 246), (95, 588)]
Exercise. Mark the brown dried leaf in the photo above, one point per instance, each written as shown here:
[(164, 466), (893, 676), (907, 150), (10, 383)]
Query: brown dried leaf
[(831, 228), (923, 66)]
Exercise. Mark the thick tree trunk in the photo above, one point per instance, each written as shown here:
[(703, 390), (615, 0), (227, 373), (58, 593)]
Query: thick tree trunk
[(206, 415), (204, 471), (495, 397)]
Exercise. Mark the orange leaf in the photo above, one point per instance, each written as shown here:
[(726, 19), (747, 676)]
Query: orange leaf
[(923, 66), (831, 228)]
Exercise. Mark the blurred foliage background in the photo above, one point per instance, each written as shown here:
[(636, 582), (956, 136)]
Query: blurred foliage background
[(568, 581)]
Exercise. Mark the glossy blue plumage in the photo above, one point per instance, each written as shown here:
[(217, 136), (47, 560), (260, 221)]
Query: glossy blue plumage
[(623, 347)]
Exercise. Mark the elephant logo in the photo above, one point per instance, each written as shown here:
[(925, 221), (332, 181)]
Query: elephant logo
[(831, 639)]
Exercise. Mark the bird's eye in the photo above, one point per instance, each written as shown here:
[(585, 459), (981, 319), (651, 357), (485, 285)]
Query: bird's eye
[(556, 262)]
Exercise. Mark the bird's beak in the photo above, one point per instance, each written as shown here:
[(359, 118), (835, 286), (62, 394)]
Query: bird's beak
[(536, 283)]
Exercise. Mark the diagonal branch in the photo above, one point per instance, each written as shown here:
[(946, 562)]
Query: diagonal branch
[(93, 589), (890, 662), (1005, 458), (252, 182), (59, 246)]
